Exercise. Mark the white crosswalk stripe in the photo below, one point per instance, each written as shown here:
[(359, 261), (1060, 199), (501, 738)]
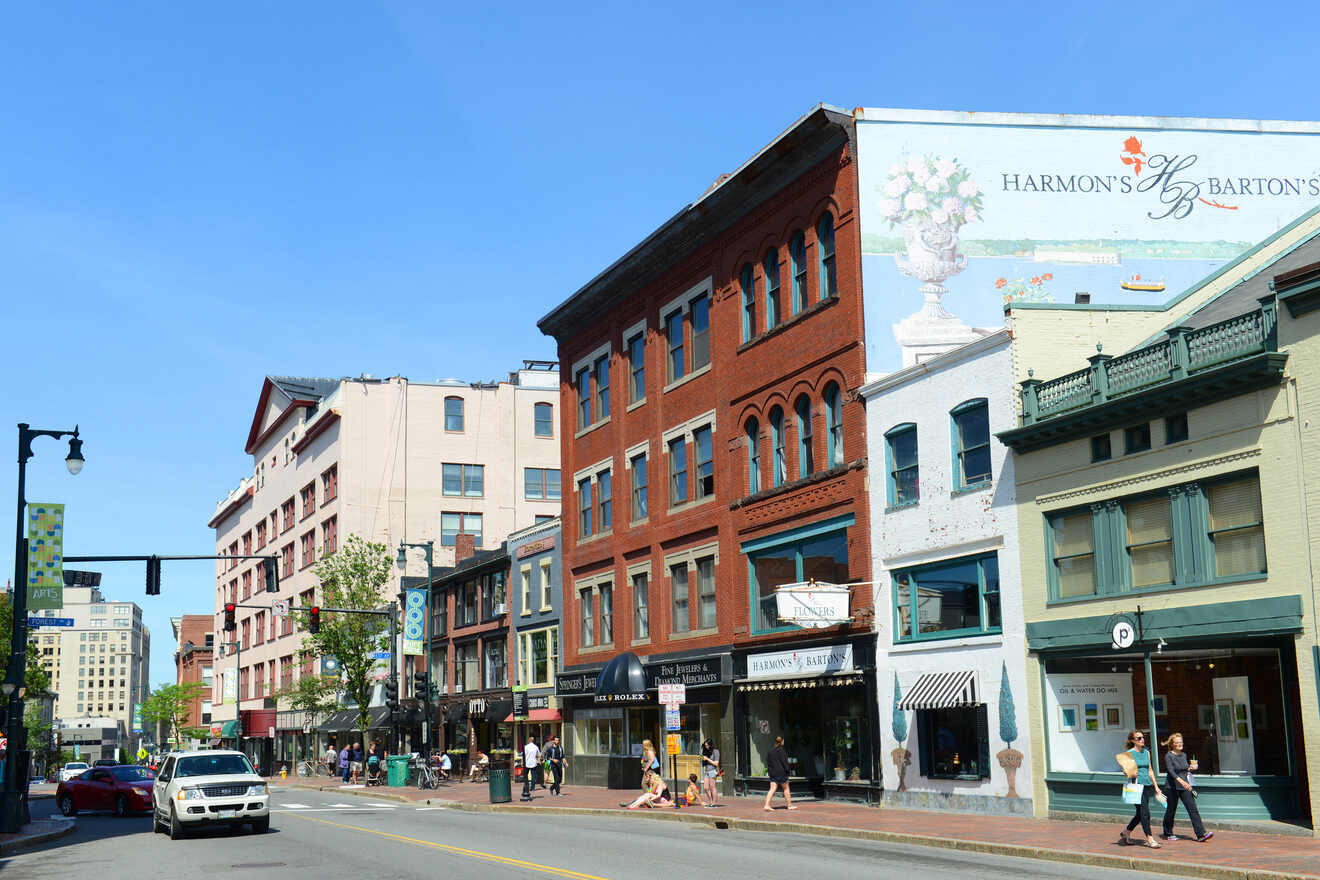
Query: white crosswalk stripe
[(295, 806)]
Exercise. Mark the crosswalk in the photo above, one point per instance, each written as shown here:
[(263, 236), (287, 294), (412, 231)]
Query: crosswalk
[(339, 806)]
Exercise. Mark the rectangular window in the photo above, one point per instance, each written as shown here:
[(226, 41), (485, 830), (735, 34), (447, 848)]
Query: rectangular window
[(1100, 450), (525, 579), (308, 548), (822, 558), (587, 618), (261, 534), (329, 484), (538, 653), (465, 604), (286, 560), (971, 435), (641, 605), (330, 536), (948, 599), (1136, 439), (247, 584), (454, 414), (454, 524), (1150, 541), (677, 471), (955, 743), (603, 388), (467, 480), (308, 500), (637, 368), (541, 484), (604, 501), (496, 670), (467, 668), (286, 517), (543, 419), (674, 338), (700, 317), (706, 592), (678, 591), (1175, 428), (583, 382), (606, 593), (547, 586), (638, 470), (1237, 527), (705, 463), (904, 483), (1074, 555), (584, 508)]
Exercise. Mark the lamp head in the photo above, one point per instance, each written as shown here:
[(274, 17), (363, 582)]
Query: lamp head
[(7, 688), (74, 460), (402, 558)]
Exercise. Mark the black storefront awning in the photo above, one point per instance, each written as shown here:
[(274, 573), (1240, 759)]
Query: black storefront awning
[(456, 712), (623, 680), (337, 721), (942, 690), (498, 710)]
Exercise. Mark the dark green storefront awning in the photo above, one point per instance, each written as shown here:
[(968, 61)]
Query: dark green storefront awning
[(229, 730), (1252, 618)]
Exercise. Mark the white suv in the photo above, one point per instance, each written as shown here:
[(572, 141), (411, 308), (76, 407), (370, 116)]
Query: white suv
[(207, 788), (73, 769)]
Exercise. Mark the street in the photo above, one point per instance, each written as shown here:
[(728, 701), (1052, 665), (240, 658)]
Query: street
[(321, 836)]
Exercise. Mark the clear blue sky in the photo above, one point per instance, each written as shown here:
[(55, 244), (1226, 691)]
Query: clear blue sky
[(191, 198)]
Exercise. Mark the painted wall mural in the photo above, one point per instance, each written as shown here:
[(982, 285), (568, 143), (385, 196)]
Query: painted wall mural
[(961, 216)]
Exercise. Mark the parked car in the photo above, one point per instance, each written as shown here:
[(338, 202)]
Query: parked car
[(216, 786), (124, 788), (72, 769), (105, 762)]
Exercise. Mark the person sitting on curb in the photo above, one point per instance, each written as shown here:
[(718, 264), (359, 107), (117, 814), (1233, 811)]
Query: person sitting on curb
[(692, 797), (656, 794)]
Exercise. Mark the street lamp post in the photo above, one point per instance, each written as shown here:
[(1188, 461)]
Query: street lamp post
[(13, 797), (402, 559)]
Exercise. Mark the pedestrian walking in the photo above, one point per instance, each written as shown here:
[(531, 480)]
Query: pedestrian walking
[(1136, 766), (355, 762), (331, 758), (650, 762), (531, 764), (554, 753), (1178, 787), (776, 763), (345, 762), (710, 770)]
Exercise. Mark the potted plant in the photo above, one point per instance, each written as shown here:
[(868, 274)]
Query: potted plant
[(1010, 758), (843, 744)]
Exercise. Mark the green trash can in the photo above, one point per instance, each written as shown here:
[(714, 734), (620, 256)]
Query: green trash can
[(499, 786), (396, 770)]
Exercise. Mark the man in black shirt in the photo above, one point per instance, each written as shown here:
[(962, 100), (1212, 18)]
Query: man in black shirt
[(554, 753)]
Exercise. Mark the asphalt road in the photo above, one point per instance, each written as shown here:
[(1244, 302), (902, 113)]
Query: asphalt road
[(321, 836)]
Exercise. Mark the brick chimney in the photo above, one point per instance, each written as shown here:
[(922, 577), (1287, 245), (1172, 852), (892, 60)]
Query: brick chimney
[(464, 546)]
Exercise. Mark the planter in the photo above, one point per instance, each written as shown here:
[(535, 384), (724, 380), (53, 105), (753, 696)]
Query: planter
[(1010, 759), (902, 758)]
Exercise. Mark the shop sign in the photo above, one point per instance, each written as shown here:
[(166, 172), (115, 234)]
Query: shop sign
[(531, 548), (827, 660), (477, 706), (699, 672), (575, 684), (216, 730), (539, 702), (673, 694), (621, 698), (520, 704), (813, 604)]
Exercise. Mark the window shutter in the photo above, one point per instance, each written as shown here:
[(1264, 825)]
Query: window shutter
[(924, 749), (983, 739)]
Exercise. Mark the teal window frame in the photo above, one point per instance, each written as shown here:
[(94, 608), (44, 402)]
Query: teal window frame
[(798, 536), (806, 455), (604, 501), (770, 267), (637, 368), (583, 382), (825, 247), (1193, 542), (602, 371), (833, 425), (778, 454), (753, 432), (585, 508), (1102, 449), (797, 253), (957, 415), (1136, 438), (913, 574), (892, 469), (748, 282)]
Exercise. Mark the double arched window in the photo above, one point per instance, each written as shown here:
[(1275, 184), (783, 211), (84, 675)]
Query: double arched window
[(806, 461), (748, 303), (779, 461), (828, 281), (797, 253), (833, 425), (753, 456), (771, 267)]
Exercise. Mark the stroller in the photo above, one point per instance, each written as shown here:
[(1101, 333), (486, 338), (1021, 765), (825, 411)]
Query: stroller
[(375, 771)]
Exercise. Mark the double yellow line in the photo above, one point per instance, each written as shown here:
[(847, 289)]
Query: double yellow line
[(458, 850)]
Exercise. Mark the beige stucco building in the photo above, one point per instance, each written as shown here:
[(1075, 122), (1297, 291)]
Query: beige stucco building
[(1169, 519), (389, 459)]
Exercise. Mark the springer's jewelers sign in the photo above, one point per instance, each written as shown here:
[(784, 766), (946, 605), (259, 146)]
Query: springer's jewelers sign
[(827, 660)]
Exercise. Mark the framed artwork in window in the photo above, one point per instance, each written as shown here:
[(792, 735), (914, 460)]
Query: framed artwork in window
[(1068, 718), (1160, 705), (1113, 716), (1092, 716), (1226, 728)]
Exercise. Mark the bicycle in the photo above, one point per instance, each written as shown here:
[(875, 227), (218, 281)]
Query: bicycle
[(427, 776), (306, 768)]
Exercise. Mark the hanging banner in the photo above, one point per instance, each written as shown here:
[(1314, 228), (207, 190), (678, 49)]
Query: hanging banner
[(414, 621), (137, 717), (45, 556)]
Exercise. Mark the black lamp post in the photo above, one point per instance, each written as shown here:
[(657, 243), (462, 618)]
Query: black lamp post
[(13, 797), (402, 559)]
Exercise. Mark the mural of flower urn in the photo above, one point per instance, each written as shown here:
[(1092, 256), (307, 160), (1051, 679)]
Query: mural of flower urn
[(902, 758), (1010, 759), (932, 257)]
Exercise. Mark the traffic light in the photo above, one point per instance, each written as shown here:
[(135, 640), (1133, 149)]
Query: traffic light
[(314, 620), (419, 688), (272, 574), (391, 692), (153, 576), (230, 625)]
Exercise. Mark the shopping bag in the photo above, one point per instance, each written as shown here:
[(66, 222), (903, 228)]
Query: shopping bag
[(1132, 792)]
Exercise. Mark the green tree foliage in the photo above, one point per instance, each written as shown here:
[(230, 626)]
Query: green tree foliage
[(353, 577), (1007, 714), (169, 705), (900, 728), (35, 679), (313, 694)]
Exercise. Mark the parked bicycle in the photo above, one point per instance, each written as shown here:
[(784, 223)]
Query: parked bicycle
[(427, 776)]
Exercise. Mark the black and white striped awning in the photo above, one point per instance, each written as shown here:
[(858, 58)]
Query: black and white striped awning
[(942, 690)]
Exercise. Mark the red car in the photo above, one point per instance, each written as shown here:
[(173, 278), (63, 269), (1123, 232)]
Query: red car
[(124, 789)]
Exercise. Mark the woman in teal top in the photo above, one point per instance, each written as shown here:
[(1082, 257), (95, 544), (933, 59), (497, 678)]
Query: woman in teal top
[(1136, 749)]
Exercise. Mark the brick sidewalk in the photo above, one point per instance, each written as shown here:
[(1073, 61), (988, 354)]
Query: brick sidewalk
[(1231, 854)]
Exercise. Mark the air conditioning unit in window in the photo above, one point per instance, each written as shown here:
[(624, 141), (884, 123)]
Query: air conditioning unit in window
[(501, 609)]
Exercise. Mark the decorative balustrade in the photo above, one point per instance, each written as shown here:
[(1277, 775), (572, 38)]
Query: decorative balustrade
[(1184, 353)]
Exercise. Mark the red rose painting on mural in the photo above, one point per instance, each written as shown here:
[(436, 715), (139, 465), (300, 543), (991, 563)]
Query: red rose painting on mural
[(1133, 154)]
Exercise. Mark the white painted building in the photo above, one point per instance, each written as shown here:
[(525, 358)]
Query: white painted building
[(948, 591), (388, 459)]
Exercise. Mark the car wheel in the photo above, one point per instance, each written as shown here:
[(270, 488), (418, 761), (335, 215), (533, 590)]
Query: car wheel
[(176, 827), (121, 806), (261, 826), (66, 805)]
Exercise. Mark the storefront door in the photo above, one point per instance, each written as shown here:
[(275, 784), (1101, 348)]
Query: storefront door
[(1233, 726)]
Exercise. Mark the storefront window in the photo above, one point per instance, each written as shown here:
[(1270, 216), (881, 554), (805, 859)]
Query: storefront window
[(954, 743), (598, 732), (824, 728), (823, 558), (953, 598)]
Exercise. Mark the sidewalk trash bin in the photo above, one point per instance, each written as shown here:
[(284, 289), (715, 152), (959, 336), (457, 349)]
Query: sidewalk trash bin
[(499, 786), (396, 770)]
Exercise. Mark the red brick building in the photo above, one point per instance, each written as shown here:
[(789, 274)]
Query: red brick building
[(713, 450), (195, 645)]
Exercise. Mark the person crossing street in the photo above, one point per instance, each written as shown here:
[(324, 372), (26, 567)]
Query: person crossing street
[(531, 766), (554, 753)]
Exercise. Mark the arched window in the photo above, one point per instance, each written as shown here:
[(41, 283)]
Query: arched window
[(749, 303), (806, 460), (779, 465), (771, 266), (971, 443), (833, 425), (753, 456), (453, 414), (797, 252), (825, 244)]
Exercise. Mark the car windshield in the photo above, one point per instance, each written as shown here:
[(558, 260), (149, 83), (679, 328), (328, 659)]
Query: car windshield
[(213, 765), (131, 774), (75, 766)]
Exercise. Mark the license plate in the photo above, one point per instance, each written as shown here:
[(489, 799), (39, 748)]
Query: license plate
[(227, 814)]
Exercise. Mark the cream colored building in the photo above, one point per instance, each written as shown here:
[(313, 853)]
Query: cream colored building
[(99, 666), (1168, 515), (389, 459)]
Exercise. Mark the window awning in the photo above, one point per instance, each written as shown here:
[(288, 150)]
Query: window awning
[(942, 690), (230, 729), (538, 715), (456, 712)]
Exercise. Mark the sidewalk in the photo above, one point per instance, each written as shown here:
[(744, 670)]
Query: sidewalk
[(1231, 854), (34, 832)]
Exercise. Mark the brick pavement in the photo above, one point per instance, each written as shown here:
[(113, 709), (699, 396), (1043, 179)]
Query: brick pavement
[(1231, 854)]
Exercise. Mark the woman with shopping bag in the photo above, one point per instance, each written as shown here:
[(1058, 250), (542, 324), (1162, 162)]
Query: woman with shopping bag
[(1135, 763)]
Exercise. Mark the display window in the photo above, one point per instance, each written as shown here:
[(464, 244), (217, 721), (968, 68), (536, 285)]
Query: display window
[(955, 743), (825, 728)]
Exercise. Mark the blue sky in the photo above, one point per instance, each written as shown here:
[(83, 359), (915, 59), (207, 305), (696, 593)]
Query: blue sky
[(191, 198)]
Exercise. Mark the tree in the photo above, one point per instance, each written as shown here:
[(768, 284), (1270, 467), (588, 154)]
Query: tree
[(169, 705), (353, 577), (312, 694), (35, 679), (900, 727), (1007, 715)]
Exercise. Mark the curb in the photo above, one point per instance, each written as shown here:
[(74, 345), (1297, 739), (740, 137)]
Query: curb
[(11, 846), (1099, 860)]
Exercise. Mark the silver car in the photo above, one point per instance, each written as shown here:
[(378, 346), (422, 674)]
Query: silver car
[(216, 787)]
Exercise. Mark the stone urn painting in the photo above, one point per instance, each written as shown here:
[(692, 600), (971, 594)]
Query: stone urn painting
[(930, 197), (901, 756), (1010, 758)]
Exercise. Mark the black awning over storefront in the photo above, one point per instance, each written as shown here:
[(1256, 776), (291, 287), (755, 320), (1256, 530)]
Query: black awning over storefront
[(498, 710), (456, 712), (623, 680), (942, 690), (337, 721)]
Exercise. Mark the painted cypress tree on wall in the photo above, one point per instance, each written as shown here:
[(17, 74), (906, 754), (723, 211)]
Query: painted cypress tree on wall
[(901, 756), (1007, 716)]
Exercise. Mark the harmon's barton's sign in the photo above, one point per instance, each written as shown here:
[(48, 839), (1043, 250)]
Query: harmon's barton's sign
[(828, 660)]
